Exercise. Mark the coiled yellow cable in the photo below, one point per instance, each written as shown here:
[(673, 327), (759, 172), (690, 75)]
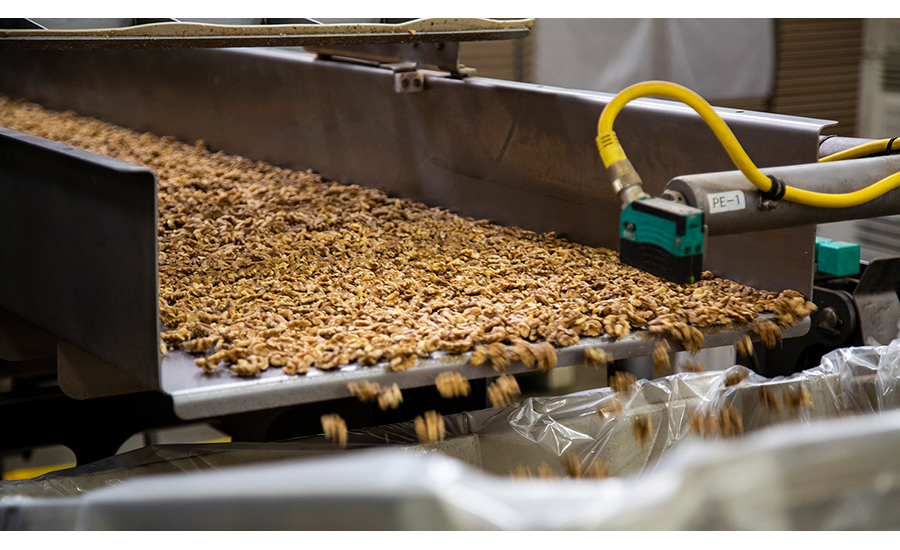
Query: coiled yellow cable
[(611, 151)]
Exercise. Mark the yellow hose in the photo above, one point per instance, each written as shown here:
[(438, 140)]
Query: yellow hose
[(611, 151), (870, 148)]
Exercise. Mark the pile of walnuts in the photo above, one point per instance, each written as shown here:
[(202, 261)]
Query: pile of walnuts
[(260, 267)]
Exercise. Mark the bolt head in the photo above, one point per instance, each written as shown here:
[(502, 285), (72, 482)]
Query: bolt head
[(829, 318)]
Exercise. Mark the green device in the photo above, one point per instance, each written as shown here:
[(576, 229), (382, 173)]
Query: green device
[(664, 238), (837, 257)]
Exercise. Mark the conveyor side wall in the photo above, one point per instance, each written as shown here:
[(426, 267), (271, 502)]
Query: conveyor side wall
[(78, 250)]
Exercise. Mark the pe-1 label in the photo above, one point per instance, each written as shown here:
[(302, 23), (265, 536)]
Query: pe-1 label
[(726, 202)]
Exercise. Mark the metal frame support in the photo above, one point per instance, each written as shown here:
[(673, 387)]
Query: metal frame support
[(878, 303)]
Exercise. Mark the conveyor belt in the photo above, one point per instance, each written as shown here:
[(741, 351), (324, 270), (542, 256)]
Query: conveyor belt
[(72, 282), (533, 166), (198, 395)]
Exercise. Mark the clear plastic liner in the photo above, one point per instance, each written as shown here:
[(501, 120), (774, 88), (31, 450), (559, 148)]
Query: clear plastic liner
[(791, 469)]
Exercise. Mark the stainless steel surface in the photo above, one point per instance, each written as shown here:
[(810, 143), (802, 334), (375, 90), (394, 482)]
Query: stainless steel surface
[(198, 395), (765, 259), (177, 34), (878, 303), (825, 177), (514, 153)]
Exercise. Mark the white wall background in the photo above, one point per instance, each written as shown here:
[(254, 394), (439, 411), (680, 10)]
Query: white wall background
[(718, 58)]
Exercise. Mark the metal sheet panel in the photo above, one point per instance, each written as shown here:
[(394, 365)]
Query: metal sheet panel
[(78, 250), (766, 259)]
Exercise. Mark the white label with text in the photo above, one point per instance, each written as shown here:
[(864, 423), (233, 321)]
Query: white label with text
[(726, 202)]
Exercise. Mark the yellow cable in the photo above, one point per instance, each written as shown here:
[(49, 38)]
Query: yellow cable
[(863, 150), (611, 151)]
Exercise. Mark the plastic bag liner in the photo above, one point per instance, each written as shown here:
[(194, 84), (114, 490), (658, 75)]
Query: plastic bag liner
[(820, 449)]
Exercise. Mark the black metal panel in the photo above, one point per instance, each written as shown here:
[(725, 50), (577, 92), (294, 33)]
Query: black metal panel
[(78, 249), (18, 23), (878, 302)]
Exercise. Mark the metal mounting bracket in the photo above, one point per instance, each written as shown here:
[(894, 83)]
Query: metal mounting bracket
[(443, 56), (409, 81)]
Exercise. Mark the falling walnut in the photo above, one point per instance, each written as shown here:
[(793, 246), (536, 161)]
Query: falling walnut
[(768, 398), (367, 392), (736, 376), (503, 391), (499, 356), (479, 356), (661, 357), (570, 464), (675, 326), (769, 334), (726, 421), (704, 424), (521, 351), (744, 346), (545, 356), (262, 266), (693, 366), (730, 421), (610, 407), (335, 429), (430, 427), (622, 382), (452, 384), (643, 428), (596, 357), (390, 398), (797, 398)]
